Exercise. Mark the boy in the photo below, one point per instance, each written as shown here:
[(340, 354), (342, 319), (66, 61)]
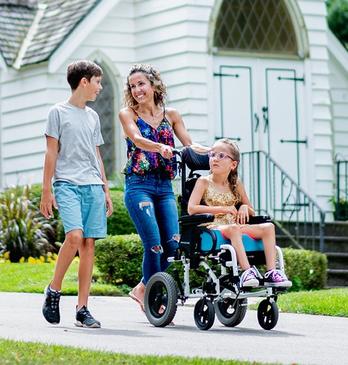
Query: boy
[(81, 192)]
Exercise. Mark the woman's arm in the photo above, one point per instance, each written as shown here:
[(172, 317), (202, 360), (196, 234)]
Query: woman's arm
[(131, 130), (179, 127), (194, 204)]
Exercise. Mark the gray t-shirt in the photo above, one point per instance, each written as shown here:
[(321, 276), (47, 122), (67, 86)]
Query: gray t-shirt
[(78, 133)]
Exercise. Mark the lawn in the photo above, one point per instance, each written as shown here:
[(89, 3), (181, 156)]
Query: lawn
[(330, 302), (32, 278), (14, 352)]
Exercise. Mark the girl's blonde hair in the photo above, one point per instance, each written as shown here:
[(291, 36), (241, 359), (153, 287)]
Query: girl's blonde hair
[(235, 154), (160, 90)]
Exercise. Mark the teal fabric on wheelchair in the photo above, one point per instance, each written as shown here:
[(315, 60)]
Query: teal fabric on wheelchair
[(249, 243)]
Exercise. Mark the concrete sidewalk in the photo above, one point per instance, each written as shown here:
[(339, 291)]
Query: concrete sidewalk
[(301, 339)]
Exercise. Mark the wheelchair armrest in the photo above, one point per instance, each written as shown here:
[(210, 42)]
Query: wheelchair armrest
[(257, 219), (196, 219)]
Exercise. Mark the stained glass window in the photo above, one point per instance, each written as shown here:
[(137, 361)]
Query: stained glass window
[(261, 26)]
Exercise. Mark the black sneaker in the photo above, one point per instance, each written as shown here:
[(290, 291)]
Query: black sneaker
[(85, 319), (50, 308)]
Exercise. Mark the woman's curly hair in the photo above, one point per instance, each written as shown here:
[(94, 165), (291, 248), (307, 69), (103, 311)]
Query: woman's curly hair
[(235, 154), (160, 90)]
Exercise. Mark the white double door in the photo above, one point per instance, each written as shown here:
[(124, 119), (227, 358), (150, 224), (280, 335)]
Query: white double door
[(260, 104)]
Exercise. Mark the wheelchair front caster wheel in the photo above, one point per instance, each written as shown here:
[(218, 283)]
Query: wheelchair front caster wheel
[(267, 314), (161, 296), (231, 312), (204, 314)]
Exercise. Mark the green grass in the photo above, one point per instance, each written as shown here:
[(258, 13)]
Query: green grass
[(330, 302), (14, 352), (32, 278)]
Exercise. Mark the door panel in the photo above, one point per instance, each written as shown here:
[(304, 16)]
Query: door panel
[(236, 105), (281, 121)]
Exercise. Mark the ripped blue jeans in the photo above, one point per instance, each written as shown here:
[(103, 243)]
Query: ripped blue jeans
[(152, 206)]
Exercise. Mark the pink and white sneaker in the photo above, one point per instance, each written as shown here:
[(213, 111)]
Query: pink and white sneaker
[(277, 278), (248, 279)]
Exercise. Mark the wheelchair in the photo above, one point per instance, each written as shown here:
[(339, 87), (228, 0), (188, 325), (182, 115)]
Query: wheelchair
[(207, 253)]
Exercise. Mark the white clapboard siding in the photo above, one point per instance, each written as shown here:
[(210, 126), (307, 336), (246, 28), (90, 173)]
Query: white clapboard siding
[(24, 106), (172, 35), (319, 123), (339, 97)]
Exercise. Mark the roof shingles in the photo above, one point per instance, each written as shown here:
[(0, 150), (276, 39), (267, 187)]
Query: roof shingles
[(59, 19)]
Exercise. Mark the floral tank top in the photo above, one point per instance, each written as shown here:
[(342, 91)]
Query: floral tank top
[(213, 197), (142, 162)]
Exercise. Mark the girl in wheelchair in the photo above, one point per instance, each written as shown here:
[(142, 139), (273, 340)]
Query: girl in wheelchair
[(222, 194)]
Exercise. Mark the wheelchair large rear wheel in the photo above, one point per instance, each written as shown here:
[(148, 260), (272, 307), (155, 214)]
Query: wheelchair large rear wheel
[(160, 301), (231, 312), (267, 314), (204, 314)]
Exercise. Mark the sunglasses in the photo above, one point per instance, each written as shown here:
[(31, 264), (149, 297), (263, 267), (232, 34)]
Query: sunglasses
[(219, 155)]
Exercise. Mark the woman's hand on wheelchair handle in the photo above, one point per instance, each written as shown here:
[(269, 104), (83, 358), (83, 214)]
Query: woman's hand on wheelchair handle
[(243, 214), (166, 151)]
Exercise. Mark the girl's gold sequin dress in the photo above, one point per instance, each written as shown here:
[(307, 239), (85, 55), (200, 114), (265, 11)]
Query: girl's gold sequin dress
[(213, 197)]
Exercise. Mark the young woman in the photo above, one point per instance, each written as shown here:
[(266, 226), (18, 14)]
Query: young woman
[(149, 127), (222, 192)]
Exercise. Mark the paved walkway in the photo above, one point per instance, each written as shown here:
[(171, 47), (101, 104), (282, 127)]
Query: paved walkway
[(301, 339)]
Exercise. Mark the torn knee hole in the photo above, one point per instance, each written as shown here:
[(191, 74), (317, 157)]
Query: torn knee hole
[(157, 249), (146, 205)]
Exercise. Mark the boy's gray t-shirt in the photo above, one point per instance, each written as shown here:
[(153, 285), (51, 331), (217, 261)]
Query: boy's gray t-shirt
[(78, 133)]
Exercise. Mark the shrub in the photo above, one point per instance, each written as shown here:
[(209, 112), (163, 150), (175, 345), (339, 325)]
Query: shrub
[(120, 221), (306, 269), (119, 259), (23, 231), (338, 18)]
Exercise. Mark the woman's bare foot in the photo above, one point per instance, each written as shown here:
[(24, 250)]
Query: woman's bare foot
[(137, 294)]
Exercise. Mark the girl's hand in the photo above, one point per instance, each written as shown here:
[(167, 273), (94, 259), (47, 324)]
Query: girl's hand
[(166, 151), (243, 214), (230, 210)]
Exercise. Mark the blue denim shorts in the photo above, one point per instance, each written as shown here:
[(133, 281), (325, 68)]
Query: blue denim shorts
[(81, 207)]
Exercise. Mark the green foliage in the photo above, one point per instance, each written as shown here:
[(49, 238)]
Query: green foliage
[(119, 222), (306, 269), (32, 278), (329, 302), (23, 231), (119, 259), (338, 19), (341, 210), (16, 352)]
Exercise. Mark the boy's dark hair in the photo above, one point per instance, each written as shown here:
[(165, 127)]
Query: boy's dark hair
[(80, 69)]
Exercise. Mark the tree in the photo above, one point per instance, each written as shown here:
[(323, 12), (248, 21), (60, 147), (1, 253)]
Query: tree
[(338, 19)]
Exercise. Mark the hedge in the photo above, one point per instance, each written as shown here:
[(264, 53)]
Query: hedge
[(119, 260), (118, 223)]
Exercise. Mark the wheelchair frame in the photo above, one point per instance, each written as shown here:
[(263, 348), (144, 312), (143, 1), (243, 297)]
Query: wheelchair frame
[(221, 293)]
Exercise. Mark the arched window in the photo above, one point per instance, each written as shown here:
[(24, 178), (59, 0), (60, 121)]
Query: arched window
[(262, 26), (105, 107)]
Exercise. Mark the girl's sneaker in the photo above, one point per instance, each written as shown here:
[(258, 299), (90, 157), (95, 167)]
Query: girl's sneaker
[(276, 278), (248, 279)]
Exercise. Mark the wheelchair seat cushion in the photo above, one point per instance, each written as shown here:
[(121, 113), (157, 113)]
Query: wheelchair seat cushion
[(250, 244)]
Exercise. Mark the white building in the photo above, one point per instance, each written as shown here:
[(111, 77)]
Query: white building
[(268, 73)]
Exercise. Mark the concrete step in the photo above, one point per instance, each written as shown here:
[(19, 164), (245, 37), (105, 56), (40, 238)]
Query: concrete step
[(335, 228), (331, 243), (337, 277), (337, 260)]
